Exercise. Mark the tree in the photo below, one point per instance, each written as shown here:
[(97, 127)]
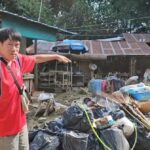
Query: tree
[(10, 5), (31, 9), (90, 18)]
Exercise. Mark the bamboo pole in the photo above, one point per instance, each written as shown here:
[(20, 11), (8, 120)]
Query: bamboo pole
[(128, 107)]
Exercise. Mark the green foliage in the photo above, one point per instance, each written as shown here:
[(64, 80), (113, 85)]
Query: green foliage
[(10, 5), (90, 18), (132, 13), (78, 15), (31, 9)]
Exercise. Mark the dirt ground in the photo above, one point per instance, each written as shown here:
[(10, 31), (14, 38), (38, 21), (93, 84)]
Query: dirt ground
[(63, 98)]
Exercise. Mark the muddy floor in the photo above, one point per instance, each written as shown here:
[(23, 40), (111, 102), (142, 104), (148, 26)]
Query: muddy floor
[(64, 99)]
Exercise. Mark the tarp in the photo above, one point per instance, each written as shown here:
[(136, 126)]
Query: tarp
[(72, 46)]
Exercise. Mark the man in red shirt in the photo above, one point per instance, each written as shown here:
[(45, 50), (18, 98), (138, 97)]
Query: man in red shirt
[(13, 127)]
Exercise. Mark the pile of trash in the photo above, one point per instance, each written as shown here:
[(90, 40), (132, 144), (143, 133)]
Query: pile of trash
[(74, 132), (108, 123), (104, 121)]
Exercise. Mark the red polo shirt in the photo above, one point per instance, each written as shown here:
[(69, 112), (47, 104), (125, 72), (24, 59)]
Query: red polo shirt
[(12, 118)]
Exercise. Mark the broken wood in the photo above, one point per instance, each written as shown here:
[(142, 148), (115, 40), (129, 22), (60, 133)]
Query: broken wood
[(127, 104)]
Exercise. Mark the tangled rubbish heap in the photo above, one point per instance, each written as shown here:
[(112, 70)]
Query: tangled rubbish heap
[(108, 121)]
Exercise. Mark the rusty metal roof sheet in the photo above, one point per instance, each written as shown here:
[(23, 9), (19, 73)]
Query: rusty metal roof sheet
[(101, 49), (137, 37), (109, 48)]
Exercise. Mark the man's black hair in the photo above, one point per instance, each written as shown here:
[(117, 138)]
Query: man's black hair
[(9, 33)]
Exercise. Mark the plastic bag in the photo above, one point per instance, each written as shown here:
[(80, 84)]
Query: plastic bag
[(74, 118), (115, 139), (44, 141), (75, 141)]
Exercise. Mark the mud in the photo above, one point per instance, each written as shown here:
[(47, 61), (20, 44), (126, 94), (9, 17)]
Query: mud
[(63, 98)]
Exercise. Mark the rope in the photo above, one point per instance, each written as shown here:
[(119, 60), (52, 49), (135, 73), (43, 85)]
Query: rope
[(94, 131)]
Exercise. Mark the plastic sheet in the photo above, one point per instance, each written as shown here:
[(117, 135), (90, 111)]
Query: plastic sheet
[(75, 119), (75, 141), (44, 141)]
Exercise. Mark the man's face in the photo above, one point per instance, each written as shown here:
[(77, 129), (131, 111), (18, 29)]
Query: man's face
[(9, 49)]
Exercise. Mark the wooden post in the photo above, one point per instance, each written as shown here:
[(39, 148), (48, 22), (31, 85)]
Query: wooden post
[(36, 68), (132, 65), (23, 46)]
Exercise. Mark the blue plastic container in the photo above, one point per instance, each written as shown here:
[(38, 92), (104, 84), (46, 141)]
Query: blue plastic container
[(139, 91), (141, 96)]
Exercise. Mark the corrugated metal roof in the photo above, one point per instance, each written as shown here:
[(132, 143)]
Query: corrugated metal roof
[(117, 48), (42, 47), (98, 48), (137, 37)]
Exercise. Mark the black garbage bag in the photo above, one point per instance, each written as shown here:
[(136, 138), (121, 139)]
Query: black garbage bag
[(115, 139), (98, 112), (44, 141), (93, 143), (32, 134), (117, 114), (74, 141), (55, 127), (143, 139), (111, 137), (74, 118)]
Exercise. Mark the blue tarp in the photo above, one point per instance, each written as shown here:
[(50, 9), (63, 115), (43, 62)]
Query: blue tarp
[(72, 46)]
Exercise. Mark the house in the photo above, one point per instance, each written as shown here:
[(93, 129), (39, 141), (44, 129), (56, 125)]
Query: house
[(30, 30), (129, 49), (128, 55)]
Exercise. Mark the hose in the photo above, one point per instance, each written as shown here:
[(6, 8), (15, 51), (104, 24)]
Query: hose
[(94, 131), (136, 136)]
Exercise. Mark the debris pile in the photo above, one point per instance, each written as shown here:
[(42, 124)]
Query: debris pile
[(108, 121)]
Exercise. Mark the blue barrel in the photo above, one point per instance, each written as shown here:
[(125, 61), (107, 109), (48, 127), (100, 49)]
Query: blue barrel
[(95, 87)]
